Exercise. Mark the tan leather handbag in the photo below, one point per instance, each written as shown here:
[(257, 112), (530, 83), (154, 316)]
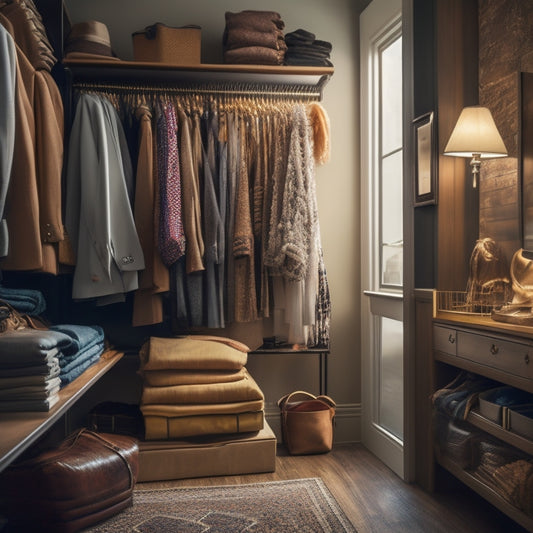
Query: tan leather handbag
[(307, 422)]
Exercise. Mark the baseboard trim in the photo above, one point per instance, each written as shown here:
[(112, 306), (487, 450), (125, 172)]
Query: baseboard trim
[(347, 423)]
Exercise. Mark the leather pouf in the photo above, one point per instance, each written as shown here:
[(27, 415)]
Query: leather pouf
[(88, 478)]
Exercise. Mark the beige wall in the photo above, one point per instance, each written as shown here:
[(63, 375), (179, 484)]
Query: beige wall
[(337, 182)]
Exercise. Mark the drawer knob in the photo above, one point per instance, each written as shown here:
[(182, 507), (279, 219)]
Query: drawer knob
[(494, 349), (451, 339), (526, 359)]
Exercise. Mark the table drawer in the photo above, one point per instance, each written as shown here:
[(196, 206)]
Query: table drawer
[(511, 357), (445, 340)]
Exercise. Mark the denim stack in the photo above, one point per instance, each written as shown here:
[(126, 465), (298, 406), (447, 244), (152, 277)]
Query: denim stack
[(36, 363), (86, 347)]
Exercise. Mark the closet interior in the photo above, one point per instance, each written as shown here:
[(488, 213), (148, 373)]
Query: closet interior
[(243, 141)]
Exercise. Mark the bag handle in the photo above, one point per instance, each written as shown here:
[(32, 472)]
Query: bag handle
[(325, 399)]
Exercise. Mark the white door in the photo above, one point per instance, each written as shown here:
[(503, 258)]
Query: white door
[(382, 231)]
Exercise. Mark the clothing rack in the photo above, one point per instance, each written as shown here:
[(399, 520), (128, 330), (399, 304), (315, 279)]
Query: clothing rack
[(236, 89)]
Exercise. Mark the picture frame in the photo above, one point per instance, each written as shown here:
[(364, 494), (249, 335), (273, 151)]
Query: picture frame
[(425, 172)]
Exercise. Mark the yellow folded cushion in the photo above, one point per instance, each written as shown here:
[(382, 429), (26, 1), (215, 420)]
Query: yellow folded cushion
[(163, 428), (164, 378), (195, 352), (201, 409), (233, 391)]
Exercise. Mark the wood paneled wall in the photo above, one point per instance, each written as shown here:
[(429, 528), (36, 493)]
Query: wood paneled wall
[(505, 48), (457, 87)]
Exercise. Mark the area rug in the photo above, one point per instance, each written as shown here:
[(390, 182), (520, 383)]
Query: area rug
[(298, 505)]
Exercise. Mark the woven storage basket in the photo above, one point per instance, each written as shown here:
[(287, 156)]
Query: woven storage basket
[(162, 44)]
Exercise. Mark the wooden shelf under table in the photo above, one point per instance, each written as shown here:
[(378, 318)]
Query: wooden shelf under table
[(19, 430)]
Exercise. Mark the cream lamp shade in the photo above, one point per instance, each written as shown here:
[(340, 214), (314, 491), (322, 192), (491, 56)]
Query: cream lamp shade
[(475, 135)]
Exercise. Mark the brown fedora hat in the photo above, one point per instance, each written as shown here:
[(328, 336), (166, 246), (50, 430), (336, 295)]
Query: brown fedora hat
[(89, 40)]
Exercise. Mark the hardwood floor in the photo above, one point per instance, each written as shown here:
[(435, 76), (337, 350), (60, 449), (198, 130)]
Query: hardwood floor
[(374, 498)]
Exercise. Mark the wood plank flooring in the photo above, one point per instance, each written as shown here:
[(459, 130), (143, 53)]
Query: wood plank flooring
[(373, 497)]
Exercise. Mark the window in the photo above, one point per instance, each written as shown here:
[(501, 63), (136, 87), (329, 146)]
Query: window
[(390, 163)]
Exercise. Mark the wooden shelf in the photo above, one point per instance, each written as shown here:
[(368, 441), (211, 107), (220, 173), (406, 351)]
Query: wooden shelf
[(488, 493), (485, 370), (484, 323), (19, 430), (476, 419), (110, 71)]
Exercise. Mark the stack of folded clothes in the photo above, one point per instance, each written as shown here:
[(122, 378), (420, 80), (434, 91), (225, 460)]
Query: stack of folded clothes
[(305, 50), (198, 385), (85, 348), (35, 364), (254, 37), (29, 369)]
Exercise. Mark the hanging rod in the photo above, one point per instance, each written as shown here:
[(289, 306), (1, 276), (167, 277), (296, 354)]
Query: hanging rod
[(232, 90)]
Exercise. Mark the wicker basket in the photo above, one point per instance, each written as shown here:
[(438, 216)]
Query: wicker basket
[(162, 44)]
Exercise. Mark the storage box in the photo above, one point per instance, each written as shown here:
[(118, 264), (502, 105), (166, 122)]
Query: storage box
[(226, 455), (494, 402), (162, 44), (521, 420)]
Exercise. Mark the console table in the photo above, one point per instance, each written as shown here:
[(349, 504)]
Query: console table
[(497, 351)]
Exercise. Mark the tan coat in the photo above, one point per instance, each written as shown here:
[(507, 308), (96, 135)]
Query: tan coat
[(154, 279), (33, 204)]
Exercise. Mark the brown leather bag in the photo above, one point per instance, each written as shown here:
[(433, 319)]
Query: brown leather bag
[(88, 478), (307, 425)]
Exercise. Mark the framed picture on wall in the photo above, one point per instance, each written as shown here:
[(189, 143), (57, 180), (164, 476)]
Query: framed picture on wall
[(425, 178)]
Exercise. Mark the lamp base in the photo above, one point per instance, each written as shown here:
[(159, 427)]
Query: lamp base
[(475, 163)]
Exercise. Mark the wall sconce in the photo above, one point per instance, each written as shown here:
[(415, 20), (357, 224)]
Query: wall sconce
[(475, 135)]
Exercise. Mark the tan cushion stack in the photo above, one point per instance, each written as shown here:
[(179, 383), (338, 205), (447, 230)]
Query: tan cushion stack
[(198, 385)]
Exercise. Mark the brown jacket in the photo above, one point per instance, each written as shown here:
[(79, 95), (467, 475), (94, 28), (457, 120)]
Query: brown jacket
[(154, 279), (33, 204)]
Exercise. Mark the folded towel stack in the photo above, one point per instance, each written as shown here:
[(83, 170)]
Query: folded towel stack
[(35, 364), (198, 385), (305, 50), (254, 37)]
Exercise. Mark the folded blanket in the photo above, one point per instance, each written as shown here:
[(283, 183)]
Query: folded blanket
[(163, 378), (68, 363), (32, 392), (29, 379), (25, 347), (28, 301), (202, 409), (236, 391), (307, 62), (29, 405), (178, 427), (254, 20), (193, 353), (49, 368), (82, 336), (299, 37), (240, 37), (72, 374), (254, 55)]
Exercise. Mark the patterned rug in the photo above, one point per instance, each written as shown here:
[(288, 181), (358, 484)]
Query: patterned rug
[(299, 505)]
